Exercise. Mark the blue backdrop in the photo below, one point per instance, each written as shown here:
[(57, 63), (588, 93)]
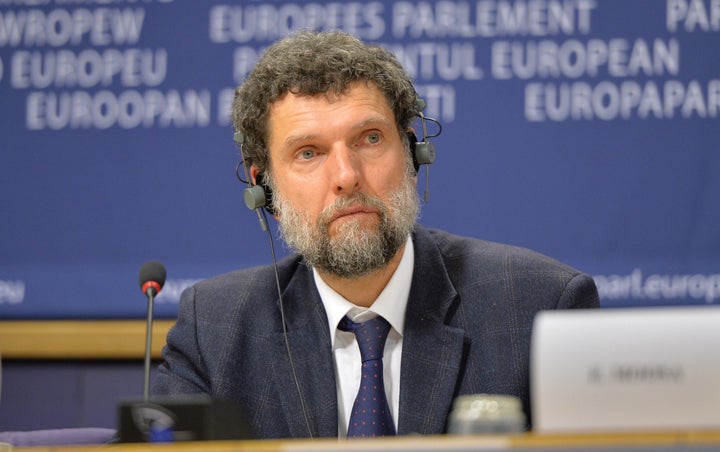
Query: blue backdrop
[(584, 129)]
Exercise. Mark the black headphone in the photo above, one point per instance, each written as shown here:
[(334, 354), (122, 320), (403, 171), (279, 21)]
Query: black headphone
[(259, 195), (255, 195)]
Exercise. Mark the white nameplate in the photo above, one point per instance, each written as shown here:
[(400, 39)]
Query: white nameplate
[(626, 369)]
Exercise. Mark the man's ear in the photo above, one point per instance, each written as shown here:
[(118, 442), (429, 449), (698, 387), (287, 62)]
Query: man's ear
[(253, 174), (411, 143)]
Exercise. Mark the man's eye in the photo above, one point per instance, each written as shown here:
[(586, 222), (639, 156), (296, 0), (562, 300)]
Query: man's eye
[(374, 138), (307, 154)]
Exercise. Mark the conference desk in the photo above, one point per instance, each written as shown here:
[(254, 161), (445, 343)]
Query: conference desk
[(92, 340), (636, 441)]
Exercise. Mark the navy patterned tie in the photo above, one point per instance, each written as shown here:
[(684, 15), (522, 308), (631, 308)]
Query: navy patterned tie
[(370, 413)]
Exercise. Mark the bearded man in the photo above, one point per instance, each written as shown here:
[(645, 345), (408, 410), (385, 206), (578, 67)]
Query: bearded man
[(325, 123)]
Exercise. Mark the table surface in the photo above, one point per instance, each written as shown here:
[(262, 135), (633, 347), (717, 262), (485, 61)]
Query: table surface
[(617, 441)]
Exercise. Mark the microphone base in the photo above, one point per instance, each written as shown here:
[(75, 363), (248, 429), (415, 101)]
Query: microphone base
[(180, 418)]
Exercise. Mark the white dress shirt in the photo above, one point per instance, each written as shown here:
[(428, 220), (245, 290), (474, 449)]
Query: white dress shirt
[(390, 304)]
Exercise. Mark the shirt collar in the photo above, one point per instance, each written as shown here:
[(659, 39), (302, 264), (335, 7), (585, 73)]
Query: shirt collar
[(390, 304)]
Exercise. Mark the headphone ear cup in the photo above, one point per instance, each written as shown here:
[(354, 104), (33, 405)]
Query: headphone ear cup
[(423, 152), (259, 195), (254, 197)]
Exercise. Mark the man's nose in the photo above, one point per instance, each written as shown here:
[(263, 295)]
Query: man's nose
[(345, 170)]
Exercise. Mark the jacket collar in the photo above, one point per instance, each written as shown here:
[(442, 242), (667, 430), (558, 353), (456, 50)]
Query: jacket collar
[(432, 350), (314, 371)]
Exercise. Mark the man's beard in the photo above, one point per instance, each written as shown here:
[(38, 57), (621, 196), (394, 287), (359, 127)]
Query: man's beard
[(354, 250)]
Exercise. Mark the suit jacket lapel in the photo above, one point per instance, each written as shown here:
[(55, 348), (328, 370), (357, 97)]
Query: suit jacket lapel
[(309, 341), (432, 351)]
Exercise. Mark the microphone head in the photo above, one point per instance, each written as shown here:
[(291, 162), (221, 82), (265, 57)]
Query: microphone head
[(152, 276)]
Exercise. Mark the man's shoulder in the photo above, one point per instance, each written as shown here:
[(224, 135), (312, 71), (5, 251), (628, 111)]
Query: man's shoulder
[(284, 265), (484, 270), (251, 282), (470, 251)]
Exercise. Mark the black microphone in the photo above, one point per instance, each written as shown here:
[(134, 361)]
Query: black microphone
[(151, 278)]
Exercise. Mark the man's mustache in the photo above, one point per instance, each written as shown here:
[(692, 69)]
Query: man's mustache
[(356, 199)]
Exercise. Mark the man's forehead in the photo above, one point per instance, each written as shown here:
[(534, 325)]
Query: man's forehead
[(301, 107)]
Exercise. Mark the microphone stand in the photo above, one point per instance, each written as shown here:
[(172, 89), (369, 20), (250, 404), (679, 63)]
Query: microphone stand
[(196, 417), (148, 342)]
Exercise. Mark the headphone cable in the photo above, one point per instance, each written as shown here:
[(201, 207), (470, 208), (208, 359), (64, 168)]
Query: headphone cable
[(261, 212)]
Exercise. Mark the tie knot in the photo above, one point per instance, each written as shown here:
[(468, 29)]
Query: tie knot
[(371, 336)]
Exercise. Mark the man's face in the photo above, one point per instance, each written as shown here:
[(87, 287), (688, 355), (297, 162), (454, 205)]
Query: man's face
[(344, 191)]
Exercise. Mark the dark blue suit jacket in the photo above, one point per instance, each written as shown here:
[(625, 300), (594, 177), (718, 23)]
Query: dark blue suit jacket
[(467, 330)]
